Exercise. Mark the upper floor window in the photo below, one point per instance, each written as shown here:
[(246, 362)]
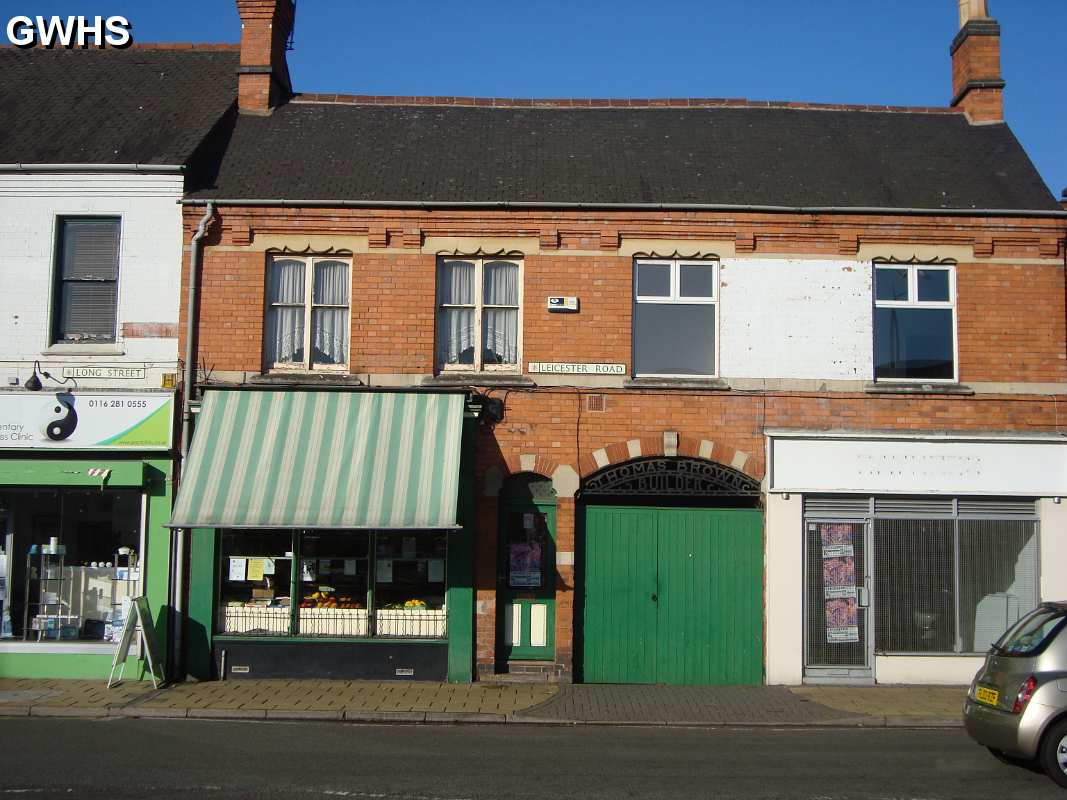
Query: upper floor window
[(479, 314), (87, 277), (674, 318), (915, 322), (307, 313)]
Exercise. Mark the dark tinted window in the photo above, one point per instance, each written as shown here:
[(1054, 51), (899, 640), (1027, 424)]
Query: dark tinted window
[(933, 285), (890, 284), (674, 339), (913, 343)]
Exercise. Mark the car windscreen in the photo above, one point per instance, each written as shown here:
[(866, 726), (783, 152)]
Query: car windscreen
[(1030, 635)]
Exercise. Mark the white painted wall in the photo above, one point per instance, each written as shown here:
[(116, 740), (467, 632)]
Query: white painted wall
[(796, 318), (937, 670), (149, 270), (784, 610), (1053, 548)]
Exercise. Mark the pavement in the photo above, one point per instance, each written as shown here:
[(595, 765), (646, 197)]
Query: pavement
[(429, 702)]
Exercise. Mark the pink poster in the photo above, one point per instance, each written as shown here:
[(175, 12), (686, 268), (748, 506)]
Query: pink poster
[(839, 583)]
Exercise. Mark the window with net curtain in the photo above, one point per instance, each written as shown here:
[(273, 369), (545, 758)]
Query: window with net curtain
[(307, 313), (478, 314)]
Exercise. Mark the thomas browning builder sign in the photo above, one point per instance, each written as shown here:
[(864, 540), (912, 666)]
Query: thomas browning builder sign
[(75, 421)]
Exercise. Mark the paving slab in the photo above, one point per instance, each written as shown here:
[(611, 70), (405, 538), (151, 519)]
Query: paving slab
[(889, 701), (673, 704)]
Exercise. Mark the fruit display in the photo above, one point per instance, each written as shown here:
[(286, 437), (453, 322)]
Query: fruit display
[(414, 604), (326, 599)]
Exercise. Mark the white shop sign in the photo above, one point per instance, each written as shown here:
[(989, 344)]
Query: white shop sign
[(1035, 468), (567, 368), (72, 420)]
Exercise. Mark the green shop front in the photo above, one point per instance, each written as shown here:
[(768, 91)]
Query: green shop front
[(326, 535), (85, 495)]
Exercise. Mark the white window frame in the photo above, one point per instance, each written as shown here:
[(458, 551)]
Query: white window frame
[(913, 301), (309, 289), (478, 306), (675, 298)]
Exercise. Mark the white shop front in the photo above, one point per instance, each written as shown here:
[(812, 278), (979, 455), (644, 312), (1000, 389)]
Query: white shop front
[(899, 558)]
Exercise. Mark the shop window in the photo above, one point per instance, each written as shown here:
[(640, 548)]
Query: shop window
[(479, 315), (675, 318), (87, 275), (256, 582), (914, 322), (333, 583), (307, 313), (409, 579), (70, 563), (347, 584), (951, 586)]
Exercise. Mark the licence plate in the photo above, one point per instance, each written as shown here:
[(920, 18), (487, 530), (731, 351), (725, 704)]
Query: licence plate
[(987, 696)]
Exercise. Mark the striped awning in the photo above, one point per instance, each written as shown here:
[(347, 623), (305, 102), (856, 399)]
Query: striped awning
[(291, 459)]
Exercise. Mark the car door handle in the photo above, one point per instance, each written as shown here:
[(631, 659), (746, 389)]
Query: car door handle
[(655, 598)]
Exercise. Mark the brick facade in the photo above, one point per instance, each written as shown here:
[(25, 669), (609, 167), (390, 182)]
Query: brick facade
[(1010, 331)]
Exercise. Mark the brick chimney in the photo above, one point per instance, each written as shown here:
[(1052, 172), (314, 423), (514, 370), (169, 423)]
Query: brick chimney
[(976, 83), (263, 77)]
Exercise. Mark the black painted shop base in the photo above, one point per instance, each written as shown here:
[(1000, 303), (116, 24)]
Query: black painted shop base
[(412, 661)]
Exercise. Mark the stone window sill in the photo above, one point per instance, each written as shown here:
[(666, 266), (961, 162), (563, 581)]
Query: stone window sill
[(84, 349), (706, 384), (918, 387), (306, 379), (502, 379)]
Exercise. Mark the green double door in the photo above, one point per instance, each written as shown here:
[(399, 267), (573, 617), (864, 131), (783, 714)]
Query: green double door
[(673, 595)]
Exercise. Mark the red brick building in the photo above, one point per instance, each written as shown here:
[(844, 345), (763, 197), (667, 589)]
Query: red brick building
[(754, 392)]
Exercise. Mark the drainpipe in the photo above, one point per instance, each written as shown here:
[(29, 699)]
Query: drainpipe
[(190, 328), (178, 578)]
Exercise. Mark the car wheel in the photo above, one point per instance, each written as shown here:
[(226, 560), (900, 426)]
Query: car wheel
[(1054, 752)]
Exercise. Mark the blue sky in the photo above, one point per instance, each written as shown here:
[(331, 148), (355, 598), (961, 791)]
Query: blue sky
[(835, 51)]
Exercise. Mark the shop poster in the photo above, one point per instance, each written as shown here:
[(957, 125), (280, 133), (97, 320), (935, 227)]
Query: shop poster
[(437, 570), (384, 571), (839, 583), (255, 569), (238, 569), (524, 564)]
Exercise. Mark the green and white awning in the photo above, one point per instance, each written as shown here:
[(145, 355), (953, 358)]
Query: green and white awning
[(289, 459)]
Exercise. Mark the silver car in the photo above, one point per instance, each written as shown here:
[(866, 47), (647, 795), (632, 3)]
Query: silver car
[(1017, 703)]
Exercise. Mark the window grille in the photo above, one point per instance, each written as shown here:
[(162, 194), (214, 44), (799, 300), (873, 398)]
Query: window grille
[(951, 585)]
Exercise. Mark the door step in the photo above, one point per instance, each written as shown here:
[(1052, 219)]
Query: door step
[(524, 672)]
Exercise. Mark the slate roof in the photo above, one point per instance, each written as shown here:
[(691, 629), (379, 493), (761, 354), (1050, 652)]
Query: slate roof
[(376, 152), (133, 106)]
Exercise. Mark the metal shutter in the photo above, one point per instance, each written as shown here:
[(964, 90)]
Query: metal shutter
[(837, 507)]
